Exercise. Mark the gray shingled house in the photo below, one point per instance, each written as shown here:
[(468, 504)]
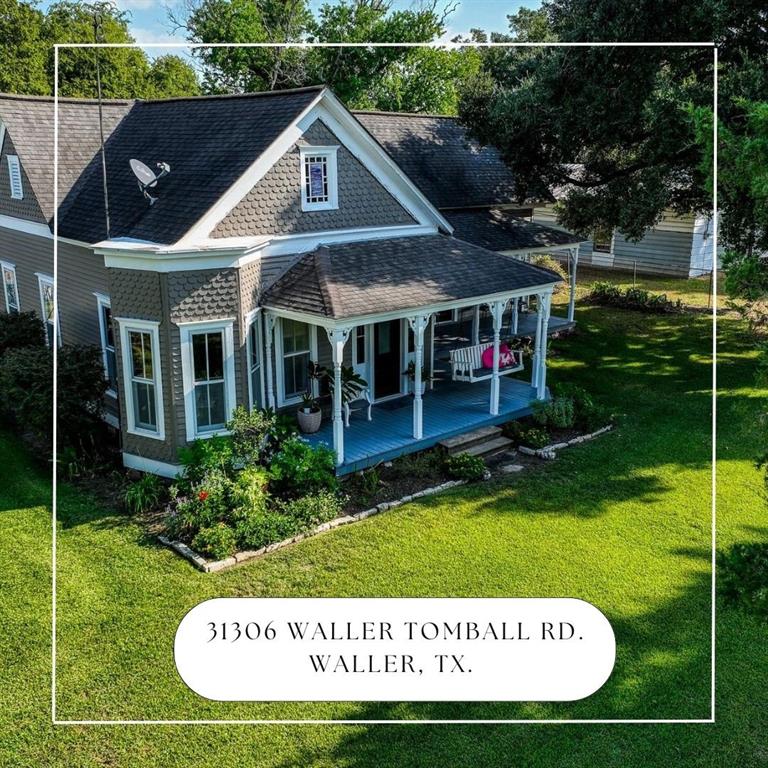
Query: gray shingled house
[(288, 231)]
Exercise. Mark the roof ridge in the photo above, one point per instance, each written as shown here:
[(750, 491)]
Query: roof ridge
[(322, 262), (227, 96), (62, 99), (402, 114)]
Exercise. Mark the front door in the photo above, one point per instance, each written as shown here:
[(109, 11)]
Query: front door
[(386, 359)]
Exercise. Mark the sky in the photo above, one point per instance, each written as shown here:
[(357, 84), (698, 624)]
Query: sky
[(149, 18)]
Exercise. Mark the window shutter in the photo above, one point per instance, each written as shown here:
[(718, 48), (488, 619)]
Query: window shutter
[(14, 172)]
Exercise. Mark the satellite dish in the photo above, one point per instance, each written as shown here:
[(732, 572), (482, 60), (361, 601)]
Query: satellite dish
[(147, 177)]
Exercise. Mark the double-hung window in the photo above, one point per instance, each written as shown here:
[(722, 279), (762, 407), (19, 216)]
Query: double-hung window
[(297, 346), (602, 240), (10, 288), (319, 187), (140, 343), (208, 366), (255, 366), (107, 335), (48, 309)]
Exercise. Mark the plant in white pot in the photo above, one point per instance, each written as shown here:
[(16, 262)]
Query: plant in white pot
[(309, 415), (352, 384), (410, 372)]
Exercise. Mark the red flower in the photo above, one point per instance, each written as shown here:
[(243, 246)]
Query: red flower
[(203, 495)]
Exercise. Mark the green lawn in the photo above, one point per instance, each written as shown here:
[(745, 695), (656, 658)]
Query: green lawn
[(623, 522)]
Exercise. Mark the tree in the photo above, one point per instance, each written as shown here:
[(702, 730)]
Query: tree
[(367, 77), (23, 50), (27, 54), (610, 126)]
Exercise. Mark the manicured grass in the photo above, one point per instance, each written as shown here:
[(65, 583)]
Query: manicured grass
[(623, 522)]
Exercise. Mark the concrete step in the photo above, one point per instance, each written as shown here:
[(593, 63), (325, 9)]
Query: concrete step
[(460, 443), (489, 447)]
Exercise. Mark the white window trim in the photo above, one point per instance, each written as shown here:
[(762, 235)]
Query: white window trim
[(254, 318), (48, 280), (6, 265), (153, 328), (329, 153), (14, 172), (281, 399), (187, 371), (103, 301)]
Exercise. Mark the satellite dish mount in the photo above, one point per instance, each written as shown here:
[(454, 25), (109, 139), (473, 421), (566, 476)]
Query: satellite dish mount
[(147, 178)]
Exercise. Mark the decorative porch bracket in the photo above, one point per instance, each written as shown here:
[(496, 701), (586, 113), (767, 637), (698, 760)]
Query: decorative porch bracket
[(574, 259), (338, 338), (497, 313), (269, 327), (539, 379), (418, 325)]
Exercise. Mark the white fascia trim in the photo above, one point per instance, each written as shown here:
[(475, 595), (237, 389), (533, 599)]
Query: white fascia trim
[(237, 252), (188, 379), (152, 466), (36, 228), (2, 135), (349, 322), (546, 249), (203, 228), (153, 328)]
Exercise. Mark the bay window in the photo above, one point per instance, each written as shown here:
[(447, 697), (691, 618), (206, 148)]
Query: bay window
[(255, 367)]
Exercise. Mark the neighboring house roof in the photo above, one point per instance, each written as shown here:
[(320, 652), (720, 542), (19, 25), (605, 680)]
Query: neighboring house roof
[(500, 230), (209, 142), (29, 121), (378, 276), (451, 169)]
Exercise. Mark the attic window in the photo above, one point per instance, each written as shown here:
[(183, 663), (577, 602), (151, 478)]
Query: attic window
[(318, 178), (14, 174)]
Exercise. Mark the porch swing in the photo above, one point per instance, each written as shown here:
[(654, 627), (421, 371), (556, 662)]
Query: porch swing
[(467, 363)]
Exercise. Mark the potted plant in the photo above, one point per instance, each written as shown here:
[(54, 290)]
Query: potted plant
[(309, 415), (410, 372), (352, 384)]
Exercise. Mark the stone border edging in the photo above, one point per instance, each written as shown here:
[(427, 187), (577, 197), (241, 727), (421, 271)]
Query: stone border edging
[(210, 566), (549, 451)]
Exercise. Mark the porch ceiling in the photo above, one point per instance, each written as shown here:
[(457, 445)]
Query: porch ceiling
[(376, 277)]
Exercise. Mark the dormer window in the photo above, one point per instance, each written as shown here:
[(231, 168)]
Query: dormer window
[(318, 179), (14, 174)]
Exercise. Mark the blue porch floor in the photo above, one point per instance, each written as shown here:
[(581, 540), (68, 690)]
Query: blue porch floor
[(450, 409)]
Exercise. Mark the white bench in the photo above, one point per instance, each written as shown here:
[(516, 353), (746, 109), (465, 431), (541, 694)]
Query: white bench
[(467, 363), (364, 396)]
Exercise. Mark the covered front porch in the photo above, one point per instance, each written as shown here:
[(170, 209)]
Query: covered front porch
[(452, 408)]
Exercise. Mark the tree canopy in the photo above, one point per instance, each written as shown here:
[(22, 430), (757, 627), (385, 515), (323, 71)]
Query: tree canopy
[(27, 56)]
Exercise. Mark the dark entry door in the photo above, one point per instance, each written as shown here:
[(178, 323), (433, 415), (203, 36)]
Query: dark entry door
[(386, 358)]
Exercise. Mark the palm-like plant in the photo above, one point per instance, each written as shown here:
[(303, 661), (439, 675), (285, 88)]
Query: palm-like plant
[(352, 384)]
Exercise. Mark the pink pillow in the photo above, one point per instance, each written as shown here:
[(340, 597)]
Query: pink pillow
[(505, 357)]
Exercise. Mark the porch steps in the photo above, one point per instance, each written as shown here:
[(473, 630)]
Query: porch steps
[(480, 442)]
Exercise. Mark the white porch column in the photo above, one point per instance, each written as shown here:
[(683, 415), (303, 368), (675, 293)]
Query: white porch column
[(418, 325), (338, 338), (545, 305), (574, 261), (497, 312), (476, 325), (433, 322), (536, 343), (269, 323), (515, 314)]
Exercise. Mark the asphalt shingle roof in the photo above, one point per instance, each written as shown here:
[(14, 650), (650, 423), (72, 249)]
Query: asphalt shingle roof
[(209, 143), (30, 123), (500, 230), (451, 169), (375, 276)]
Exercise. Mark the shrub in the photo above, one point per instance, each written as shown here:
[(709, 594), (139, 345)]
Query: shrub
[(257, 530), (422, 464), (533, 437), (20, 330), (143, 495), (557, 413), (249, 491), (217, 541), (200, 505), (257, 435), (743, 576), (608, 294), (588, 415), (313, 509), (203, 456), (464, 466), (553, 265), (299, 468)]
